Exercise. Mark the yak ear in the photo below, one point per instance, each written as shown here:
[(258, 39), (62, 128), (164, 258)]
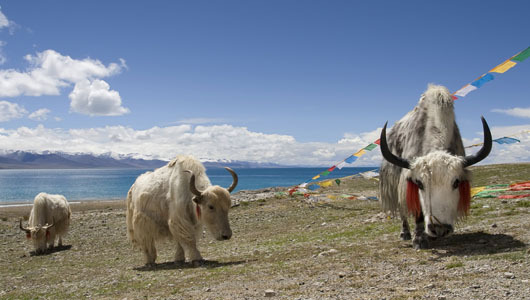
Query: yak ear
[(413, 198), (465, 198)]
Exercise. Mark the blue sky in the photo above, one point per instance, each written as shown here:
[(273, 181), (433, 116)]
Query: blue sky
[(292, 82)]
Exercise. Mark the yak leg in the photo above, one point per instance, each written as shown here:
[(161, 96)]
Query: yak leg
[(421, 239), (179, 255), (149, 250), (51, 239), (405, 231), (190, 247), (60, 243)]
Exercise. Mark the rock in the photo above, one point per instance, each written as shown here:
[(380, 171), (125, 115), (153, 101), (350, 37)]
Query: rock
[(270, 293), (342, 274), (476, 286), (494, 225), (329, 252), (207, 289), (509, 275), (411, 289), (429, 286)]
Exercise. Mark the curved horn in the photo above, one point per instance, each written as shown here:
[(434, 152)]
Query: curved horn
[(234, 182), (46, 227), (486, 147), (193, 188), (22, 228), (387, 154)]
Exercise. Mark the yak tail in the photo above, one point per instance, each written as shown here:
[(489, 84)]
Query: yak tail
[(129, 216)]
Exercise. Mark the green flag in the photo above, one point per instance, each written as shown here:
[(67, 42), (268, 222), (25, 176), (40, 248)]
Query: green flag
[(370, 147), (523, 55)]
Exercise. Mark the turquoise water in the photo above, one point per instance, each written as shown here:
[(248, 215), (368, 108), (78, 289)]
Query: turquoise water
[(101, 184)]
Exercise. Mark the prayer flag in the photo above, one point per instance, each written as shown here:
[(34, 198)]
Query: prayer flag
[(506, 140), (316, 177), (465, 90), (360, 153), (325, 173), (331, 169), (313, 187), (505, 66), (325, 183), (477, 190), (370, 147), (351, 159), (480, 82), (341, 165), (377, 142), (523, 55)]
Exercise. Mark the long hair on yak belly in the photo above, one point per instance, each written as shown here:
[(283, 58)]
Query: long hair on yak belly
[(413, 198)]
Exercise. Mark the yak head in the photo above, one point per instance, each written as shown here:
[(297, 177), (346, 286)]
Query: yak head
[(38, 234), (438, 184), (212, 206)]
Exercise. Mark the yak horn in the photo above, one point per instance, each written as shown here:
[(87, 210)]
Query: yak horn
[(193, 188), (234, 177), (486, 147), (22, 228), (46, 227), (388, 155)]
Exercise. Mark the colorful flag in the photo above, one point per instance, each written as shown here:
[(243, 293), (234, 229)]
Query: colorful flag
[(326, 183), (313, 187), (377, 142), (480, 82), (341, 165), (360, 153), (523, 55), (505, 66), (506, 140), (332, 168), (465, 90), (370, 147), (316, 177), (325, 173), (351, 159)]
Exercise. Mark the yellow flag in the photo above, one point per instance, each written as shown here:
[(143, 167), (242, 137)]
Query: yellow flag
[(505, 66), (326, 183), (332, 197), (360, 153), (477, 190), (316, 177)]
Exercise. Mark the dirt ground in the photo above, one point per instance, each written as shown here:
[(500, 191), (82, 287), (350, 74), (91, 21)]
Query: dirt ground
[(285, 248)]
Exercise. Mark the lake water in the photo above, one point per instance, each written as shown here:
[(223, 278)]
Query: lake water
[(106, 184)]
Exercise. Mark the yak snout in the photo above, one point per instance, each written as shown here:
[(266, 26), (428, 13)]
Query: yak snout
[(439, 230), (226, 235)]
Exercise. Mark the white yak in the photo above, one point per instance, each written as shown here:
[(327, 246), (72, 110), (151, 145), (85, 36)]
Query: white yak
[(174, 202), (49, 218)]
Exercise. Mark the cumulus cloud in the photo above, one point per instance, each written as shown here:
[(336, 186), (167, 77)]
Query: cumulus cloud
[(51, 71), (4, 22), (39, 115), (196, 121), (220, 142), (9, 111), (516, 112), (96, 99)]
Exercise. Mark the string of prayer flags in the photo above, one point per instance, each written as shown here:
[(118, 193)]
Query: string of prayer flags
[(502, 140), (503, 67)]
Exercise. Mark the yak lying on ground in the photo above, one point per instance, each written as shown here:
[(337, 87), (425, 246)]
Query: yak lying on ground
[(173, 202), (49, 217), (424, 170)]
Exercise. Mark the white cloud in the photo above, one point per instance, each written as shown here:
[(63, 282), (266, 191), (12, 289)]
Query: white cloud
[(50, 71), (9, 111), (96, 99), (516, 111), (223, 142), (4, 22), (3, 58), (40, 114)]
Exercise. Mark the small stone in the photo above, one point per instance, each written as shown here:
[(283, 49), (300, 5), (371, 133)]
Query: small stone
[(494, 225), (509, 275), (342, 275), (256, 252), (429, 286), (207, 289), (270, 293), (504, 201), (476, 286), (324, 224), (411, 289), (442, 297)]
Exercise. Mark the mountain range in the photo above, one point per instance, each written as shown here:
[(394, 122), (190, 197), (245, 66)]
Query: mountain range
[(60, 160)]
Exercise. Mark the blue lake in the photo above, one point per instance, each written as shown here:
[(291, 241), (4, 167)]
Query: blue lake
[(106, 184)]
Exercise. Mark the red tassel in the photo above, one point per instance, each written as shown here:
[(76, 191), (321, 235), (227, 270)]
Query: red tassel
[(413, 199), (47, 234), (465, 198), (28, 235), (198, 211)]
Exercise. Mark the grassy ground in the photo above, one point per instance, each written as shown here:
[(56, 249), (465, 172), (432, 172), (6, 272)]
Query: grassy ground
[(336, 249)]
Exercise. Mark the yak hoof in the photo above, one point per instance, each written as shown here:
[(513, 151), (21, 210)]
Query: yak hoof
[(180, 262), (405, 236), (420, 242), (150, 265), (198, 263)]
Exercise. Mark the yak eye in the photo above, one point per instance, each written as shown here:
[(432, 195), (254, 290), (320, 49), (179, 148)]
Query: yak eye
[(210, 207), (456, 184), (420, 184)]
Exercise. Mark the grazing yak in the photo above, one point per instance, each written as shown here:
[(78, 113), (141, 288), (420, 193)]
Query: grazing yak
[(424, 170), (49, 217), (174, 202)]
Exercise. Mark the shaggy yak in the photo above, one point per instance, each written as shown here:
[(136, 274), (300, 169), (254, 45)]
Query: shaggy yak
[(174, 202), (424, 170), (49, 217)]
